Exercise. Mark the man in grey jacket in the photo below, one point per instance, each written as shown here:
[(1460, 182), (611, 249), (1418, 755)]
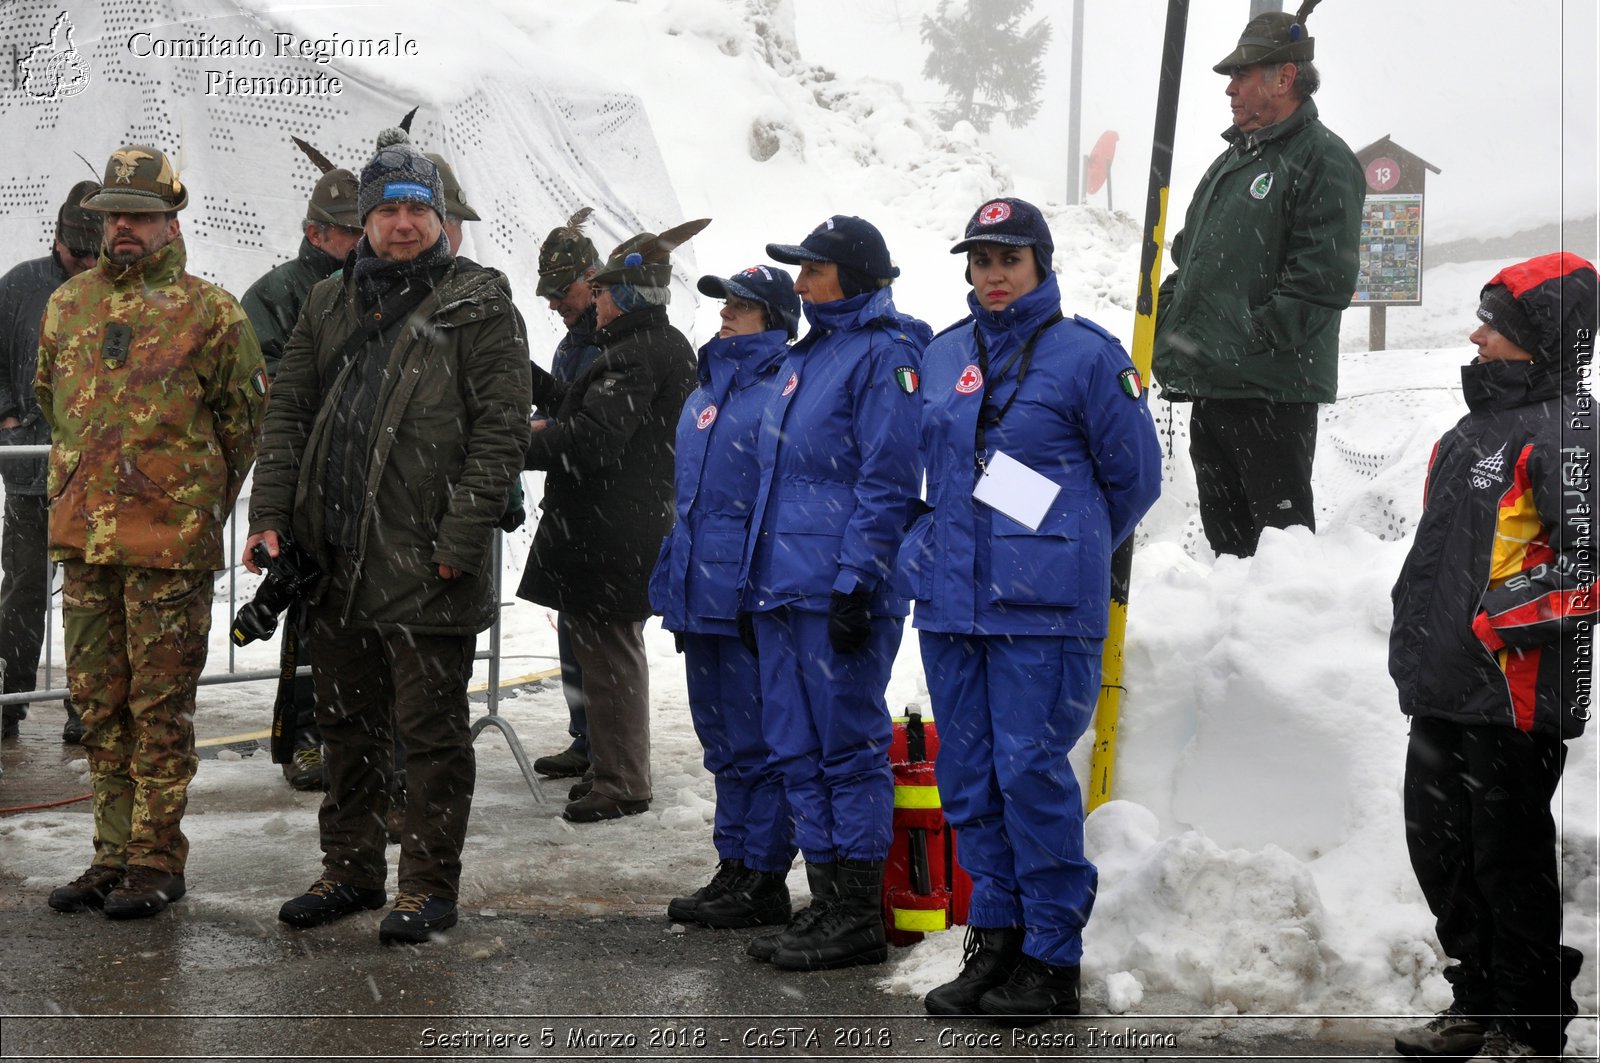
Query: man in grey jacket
[(398, 421), (25, 592)]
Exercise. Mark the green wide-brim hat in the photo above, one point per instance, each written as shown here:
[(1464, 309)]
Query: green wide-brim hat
[(333, 200), (646, 259), (138, 180), (1273, 37), (455, 202)]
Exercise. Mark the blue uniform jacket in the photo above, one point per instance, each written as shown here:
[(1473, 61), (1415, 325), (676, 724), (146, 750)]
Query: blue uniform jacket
[(695, 585), (1081, 419), (839, 461)]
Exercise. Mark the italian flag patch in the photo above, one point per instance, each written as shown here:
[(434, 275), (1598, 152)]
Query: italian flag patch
[(1132, 386), (907, 378)]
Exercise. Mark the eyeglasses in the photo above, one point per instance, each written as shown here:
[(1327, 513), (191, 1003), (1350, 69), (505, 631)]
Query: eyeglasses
[(82, 252), (743, 306)]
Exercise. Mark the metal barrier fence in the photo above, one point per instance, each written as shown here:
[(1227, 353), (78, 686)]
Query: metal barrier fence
[(232, 673)]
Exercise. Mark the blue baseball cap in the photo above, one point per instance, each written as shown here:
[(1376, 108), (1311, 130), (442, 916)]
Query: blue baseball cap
[(770, 286), (1015, 222), (851, 242)]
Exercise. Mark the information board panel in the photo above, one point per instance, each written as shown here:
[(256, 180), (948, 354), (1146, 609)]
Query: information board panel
[(1391, 250)]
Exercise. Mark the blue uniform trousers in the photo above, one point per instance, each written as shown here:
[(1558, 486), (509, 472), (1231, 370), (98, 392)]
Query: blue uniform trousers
[(829, 730), (752, 820), (1009, 709)]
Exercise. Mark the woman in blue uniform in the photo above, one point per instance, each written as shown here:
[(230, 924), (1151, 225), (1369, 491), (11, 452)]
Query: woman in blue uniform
[(695, 588), (839, 466), (1041, 457)]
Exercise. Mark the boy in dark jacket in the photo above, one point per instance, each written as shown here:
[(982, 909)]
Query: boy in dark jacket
[(1492, 650)]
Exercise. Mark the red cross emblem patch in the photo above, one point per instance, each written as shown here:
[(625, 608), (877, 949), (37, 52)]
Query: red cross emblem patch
[(994, 213), (707, 415), (969, 381), (793, 382)]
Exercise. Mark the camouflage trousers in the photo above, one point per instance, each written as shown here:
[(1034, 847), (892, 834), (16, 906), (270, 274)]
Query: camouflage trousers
[(136, 644)]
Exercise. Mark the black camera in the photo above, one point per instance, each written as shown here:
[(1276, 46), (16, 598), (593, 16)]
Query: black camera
[(290, 576)]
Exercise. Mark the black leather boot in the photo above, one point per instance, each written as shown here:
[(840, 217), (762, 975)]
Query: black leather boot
[(850, 932), (1035, 991), (822, 878), (988, 957), (683, 909), (756, 898)]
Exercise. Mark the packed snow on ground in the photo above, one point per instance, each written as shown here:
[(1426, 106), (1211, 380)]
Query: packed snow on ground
[(1254, 859)]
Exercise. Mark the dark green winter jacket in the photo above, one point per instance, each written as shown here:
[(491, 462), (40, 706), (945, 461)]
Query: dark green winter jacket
[(1266, 262), (448, 437), (273, 302)]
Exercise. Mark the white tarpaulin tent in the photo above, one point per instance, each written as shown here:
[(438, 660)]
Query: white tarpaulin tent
[(222, 86)]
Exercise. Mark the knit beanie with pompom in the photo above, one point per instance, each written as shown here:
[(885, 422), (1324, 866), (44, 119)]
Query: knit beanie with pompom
[(399, 173)]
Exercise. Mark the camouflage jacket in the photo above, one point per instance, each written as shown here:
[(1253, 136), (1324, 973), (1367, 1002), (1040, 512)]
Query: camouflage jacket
[(151, 380), (273, 302)]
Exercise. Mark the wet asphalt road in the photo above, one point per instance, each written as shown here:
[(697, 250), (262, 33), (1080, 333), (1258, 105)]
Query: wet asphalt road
[(199, 983), (602, 976)]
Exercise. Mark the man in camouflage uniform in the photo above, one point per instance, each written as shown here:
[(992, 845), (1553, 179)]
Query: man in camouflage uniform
[(25, 592), (567, 262), (152, 383), (330, 231)]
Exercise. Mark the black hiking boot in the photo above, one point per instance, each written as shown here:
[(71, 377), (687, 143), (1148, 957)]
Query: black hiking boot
[(824, 891), (416, 918), (683, 909), (850, 932), (1035, 991), (756, 898), (1450, 1033), (989, 955), (326, 900)]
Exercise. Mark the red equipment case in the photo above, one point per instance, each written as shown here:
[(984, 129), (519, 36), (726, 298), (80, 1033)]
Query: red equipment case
[(924, 888)]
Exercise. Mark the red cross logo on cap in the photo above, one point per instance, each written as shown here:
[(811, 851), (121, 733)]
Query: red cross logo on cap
[(994, 213), (707, 415), (969, 381)]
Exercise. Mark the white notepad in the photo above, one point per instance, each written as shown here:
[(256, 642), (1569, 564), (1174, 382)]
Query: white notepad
[(1016, 490)]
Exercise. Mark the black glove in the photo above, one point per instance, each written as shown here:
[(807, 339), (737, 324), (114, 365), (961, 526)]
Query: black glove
[(677, 641), (747, 633), (849, 621)]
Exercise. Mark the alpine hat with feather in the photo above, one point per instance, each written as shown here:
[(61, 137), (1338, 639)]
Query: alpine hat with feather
[(139, 179), (333, 199), (564, 256), (646, 259), (1273, 37)]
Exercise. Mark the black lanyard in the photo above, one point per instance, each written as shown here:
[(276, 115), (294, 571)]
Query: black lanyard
[(988, 416)]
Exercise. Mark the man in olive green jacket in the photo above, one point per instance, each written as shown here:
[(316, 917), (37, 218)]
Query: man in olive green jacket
[(152, 384), (1248, 325), (398, 422)]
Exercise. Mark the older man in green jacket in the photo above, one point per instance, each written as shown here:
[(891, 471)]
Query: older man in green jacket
[(1248, 325), (398, 422)]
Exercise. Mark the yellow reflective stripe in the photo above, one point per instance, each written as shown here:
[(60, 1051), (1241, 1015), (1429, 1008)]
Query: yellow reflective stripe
[(921, 920), (916, 797)]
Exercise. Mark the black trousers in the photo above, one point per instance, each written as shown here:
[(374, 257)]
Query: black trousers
[(1252, 465), (376, 689), (24, 593), (1483, 846)]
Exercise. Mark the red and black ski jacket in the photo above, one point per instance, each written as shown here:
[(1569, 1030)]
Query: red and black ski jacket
[(1495, 606)]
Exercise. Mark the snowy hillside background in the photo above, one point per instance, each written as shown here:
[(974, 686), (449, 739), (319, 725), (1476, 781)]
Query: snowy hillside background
[(1255, 859)]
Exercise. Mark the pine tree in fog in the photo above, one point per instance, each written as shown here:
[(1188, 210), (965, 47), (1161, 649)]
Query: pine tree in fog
[(991, 64)]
